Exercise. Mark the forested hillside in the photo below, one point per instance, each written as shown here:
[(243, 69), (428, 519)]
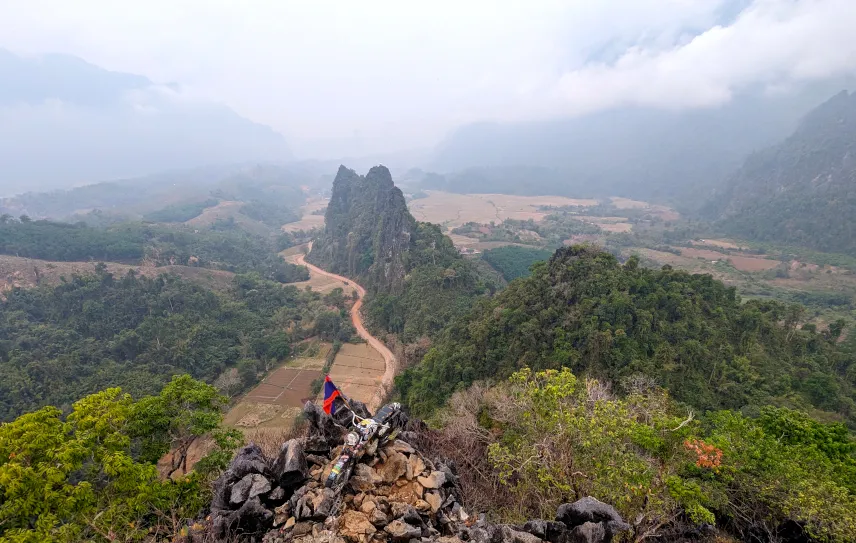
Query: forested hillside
[(802, 191), (688, 333), (415, 277), (226, 247), (60, 343), (645, 153)]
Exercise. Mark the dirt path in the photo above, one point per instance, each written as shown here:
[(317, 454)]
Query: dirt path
[(357, 320)]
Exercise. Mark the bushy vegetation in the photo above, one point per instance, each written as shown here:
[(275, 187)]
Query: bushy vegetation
[(94, 332), (269, 213), (513, 262), (439, 287), (689, 333), (180, 212), (546, 438), (232, 250), (91, 475)]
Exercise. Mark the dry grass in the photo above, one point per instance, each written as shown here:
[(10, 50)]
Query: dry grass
[(702, 253), (752, 264), (28, 272), (308, 220), (627, 203), (664, 212), (452, 210), (722, 243), (358, 371), (619, 227)]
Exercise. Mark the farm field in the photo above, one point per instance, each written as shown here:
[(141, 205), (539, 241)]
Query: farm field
[(357, 371), (274, 404), (308, 220), (451, 210)]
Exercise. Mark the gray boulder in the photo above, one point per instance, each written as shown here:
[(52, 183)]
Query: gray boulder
[(249, 486), (290, 469), (584, 510)]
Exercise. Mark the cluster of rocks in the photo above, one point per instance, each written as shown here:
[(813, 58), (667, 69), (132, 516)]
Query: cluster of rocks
[(394, 494)]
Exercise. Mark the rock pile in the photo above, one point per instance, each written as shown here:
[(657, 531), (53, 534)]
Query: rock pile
[(394, 494)]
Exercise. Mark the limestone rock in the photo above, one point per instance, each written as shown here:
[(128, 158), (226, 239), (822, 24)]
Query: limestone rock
[(401, 446), (399, 530), (547, 530), (378, 518), (408, 493), (355, 526), (393, 468), (435, 479), (250, 486), (415, 467), (588, 532), (290, 468), (584, 510), (510, 535), (434, 501)]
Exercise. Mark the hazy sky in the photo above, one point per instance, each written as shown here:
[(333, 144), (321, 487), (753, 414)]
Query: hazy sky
[(399, 74)]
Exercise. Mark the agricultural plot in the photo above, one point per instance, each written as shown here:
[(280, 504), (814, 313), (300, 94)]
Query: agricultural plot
[(452, 210), (275, 403), (358, 371), (309, 218)]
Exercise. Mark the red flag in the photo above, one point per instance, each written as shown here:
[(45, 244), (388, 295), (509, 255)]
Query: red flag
[(330, 395)]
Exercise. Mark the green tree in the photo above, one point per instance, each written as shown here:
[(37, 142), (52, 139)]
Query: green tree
[(78, 478)]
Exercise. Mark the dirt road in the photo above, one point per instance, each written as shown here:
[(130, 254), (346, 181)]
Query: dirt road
[(357, 320)]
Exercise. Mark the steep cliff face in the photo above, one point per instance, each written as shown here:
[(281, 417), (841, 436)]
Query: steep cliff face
[(801, 191), (368, 230)]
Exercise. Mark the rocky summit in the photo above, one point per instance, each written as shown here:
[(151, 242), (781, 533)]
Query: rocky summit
[(368, 230), (395, 493)]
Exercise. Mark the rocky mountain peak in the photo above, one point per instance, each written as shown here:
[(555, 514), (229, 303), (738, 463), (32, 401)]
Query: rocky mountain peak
[(368, 230), (396, 493)]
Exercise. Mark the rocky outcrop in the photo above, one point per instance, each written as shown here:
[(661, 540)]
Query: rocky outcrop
[(395, 494), (367, 231)]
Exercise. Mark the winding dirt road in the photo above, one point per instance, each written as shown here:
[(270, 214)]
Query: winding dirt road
[(357, 320)]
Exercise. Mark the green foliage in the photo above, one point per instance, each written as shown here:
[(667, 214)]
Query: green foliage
[(560, 445), (439, 286), (555, 438), (416, 280), (59, 343), (332, 325), (690, 333), (180, 212), (513, 262), (233, 250), (77, 478), (62, 241), (269, 213), (777, 195)]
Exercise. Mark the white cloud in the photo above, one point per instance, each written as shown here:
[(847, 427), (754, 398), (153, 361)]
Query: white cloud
[(401, 74), (774, 43)]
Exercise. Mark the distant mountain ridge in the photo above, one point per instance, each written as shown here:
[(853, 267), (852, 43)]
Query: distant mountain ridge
[(801, 191), (646, 153), (65, 122)]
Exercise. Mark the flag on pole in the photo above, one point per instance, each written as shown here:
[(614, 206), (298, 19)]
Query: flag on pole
[(330, 395)]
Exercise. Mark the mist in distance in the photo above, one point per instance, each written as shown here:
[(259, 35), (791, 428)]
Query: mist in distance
[(614, 90)]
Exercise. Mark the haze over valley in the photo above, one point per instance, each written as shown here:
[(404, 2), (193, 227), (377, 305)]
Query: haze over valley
[(349, 273)]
